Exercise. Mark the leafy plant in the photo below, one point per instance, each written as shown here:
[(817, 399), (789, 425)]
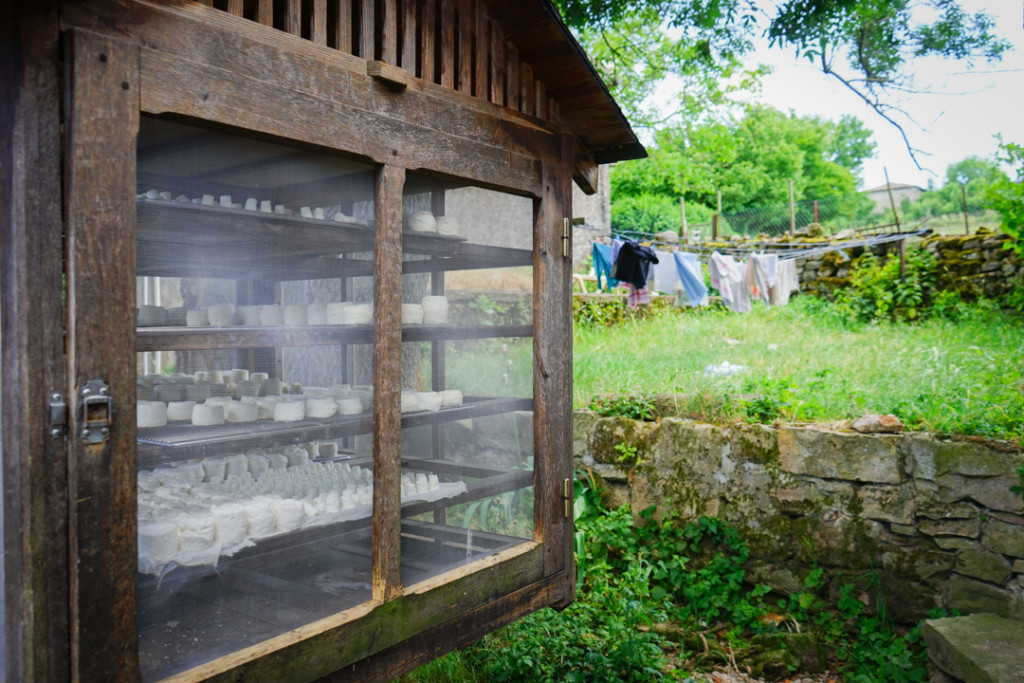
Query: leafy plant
[(635, 406)]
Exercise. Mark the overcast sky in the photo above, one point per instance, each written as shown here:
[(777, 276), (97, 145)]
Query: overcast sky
[(975, 104)]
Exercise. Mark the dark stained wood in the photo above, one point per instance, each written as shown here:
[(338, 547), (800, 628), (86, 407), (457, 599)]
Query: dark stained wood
[(103, 117), (497, 64), (265, 12), (389, 32), (33, 568), (326, 646), (293, 17), (584, 169), (236, 7), (511, 76), (438, 641), (387, 383), (410, 28), (540, 108), (389, 74), (344, 27), (367, 29), (448, 37), (481, 42), (527, 92), (319, 22), (552, 376), (428, 36), (465, 46)]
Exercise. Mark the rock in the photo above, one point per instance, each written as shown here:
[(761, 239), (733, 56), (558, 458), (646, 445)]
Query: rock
[(1004, 538), (669, 236), (971, 597), (981, 648), (967, 528), (983, 565), (835, 455), (847, 234), (815, 230), (878, 424)]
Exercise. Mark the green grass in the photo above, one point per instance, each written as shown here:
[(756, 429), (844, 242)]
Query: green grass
[(804, 364)]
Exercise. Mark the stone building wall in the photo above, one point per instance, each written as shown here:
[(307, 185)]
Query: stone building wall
[(936, 518)]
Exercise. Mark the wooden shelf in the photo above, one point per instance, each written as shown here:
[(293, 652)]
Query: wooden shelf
[(174, 239), (175, 442), (238, 337)]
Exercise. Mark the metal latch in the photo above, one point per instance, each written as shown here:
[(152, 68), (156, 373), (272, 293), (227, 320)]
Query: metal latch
[(95, 412), (567, 497), (566, 236), (58, 414)]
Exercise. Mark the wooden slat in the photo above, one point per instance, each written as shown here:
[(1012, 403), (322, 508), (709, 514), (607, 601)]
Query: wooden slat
[(265, 12), (497, 64), (236, 7), (319, 22), (34, 533), (389, 32), (260, 107), (511, 76), (103, 119), (526, 89), (344, 27), (448, 38), (367, 29), (293, 17), (410, 29), (428, 36), (552, 376), (584, 169), (387, 383), (541, 100), (208, 3), (465, 67), (482, 45)]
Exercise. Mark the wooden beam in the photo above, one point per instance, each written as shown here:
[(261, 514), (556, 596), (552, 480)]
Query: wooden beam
[(428, 60), (527, 93), (410, 29), (344, 27), (389, 32), (465, 46), (367, 30), (236, 7), (552, 375), (293, 17), (265, 12), (102, 105), (387, 383), (448, 38), (540, 108), (481, 41), (497, 64), (319, 22), (34, 531), (584, 169), (511, 76)]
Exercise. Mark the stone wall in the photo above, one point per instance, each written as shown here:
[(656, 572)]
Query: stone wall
[(936, 518)]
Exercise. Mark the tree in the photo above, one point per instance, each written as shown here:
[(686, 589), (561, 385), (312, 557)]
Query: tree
[(973, 174), (866, 45), (749, 158), (1007, 196)]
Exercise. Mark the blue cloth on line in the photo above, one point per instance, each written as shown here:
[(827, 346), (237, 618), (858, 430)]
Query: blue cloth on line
[(603, 265), (692, 276)]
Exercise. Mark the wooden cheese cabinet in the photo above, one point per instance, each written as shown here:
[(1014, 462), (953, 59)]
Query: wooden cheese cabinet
[(276, 155)]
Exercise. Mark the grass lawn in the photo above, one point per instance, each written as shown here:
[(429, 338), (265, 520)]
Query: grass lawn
[(805, 364)]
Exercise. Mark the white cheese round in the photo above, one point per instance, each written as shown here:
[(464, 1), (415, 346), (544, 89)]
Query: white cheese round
[(180, 410), (151, 413), (204, 415), (289, 411)]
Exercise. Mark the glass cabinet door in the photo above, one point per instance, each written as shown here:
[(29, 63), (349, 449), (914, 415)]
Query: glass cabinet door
[(254, 393)]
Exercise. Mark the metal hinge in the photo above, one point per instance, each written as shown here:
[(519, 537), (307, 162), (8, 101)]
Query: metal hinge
[(566, 237), (567, 497), (58, 408), (96, 416)]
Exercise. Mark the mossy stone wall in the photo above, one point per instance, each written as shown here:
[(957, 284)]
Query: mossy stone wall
[(935, 517)]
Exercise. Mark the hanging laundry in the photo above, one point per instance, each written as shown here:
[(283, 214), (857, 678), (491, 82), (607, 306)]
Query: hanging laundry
[(603, 265), (633, 264), (786, 281), (666, 279), (691, 277), (637, 297), (616, 246), (729, 277), (764, 269)]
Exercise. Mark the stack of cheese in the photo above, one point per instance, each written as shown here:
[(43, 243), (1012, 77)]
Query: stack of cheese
[(195, 512)]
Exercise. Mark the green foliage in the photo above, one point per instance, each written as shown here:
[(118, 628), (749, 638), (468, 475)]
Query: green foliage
[(970, 178), (877, 292), (1007, 197), (612, 311), (645, 215), (634, 405), (783, 398), (1019, 488)]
